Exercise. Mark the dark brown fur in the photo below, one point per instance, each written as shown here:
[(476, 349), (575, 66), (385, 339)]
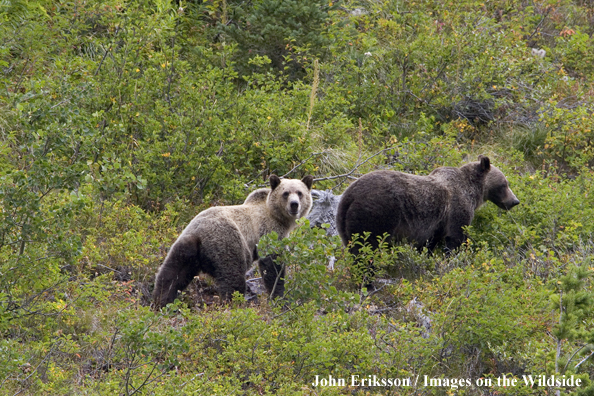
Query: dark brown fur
[(421, 209)]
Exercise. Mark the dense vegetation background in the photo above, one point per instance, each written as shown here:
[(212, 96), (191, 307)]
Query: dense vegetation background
[(122, 119)]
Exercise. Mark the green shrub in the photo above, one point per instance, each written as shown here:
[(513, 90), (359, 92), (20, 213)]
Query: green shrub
[(119, 120), (277, 30), (554, 213), (306, 255), (571, 133), (127, 241), (572, 306), (577, 49)]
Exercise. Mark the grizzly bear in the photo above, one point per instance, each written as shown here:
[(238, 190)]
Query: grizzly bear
[(221, 241), (421, 209)]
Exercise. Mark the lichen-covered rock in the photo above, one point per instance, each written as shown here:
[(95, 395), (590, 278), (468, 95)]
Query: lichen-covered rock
[(323, 211)]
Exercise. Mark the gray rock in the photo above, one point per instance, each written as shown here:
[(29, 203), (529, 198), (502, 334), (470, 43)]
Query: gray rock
[(417, 310), (359, 11), (323, 210)]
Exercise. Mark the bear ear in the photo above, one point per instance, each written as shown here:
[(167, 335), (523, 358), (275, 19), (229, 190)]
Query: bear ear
[(274, 181), (484, 163), (308, 181)]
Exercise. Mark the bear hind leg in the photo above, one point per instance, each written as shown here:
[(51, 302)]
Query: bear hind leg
[(179, 268)]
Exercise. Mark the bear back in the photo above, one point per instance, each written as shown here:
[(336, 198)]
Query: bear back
[(421, 209)]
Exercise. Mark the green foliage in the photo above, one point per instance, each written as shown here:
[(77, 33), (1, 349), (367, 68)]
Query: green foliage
[(365, 265), (404, 60), (36, 245), (530, 140), (554, 214), (277, 31), (572, 304), (284, 355), (145, 351), (120, 120), (126, 240), (571, 135), (490, 306), (309, 256), (577, 48)]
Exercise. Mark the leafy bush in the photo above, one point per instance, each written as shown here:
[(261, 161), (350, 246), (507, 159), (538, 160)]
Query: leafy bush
[(577, 50), (122, 119), (314, 267), (571, 133), (545, 219), (126, 241), (277, 30), (572, 304)]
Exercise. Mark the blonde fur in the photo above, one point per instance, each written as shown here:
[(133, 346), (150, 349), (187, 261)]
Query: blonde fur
[(221, 241)]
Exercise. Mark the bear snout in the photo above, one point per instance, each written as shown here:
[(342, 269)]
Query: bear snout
[(294, 207), (510, 201), (513, 203)]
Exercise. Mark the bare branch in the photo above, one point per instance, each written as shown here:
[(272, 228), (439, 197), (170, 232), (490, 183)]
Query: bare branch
[(548, 10), (584, 359), (47, 356), (357, 166), (347, 175), (106, 52), (301, 163)]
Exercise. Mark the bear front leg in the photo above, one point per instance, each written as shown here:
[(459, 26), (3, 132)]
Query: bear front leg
[(176, 273), (454, 235), (430, 245), (229, 283), (453, 242), (273, 275)]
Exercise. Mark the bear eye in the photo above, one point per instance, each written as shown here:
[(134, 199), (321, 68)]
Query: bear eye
[(286, 194), (300, 194)]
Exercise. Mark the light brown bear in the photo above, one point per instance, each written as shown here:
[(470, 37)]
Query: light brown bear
[(221, 241), (421, 209)]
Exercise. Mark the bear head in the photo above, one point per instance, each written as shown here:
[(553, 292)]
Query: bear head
[(290, 198), (497, 189)]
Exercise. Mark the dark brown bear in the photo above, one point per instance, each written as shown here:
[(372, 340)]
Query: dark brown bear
[(421, 209), (221, 241)]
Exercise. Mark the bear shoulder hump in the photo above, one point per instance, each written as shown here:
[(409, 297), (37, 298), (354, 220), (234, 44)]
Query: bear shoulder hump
[(256, 197)]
